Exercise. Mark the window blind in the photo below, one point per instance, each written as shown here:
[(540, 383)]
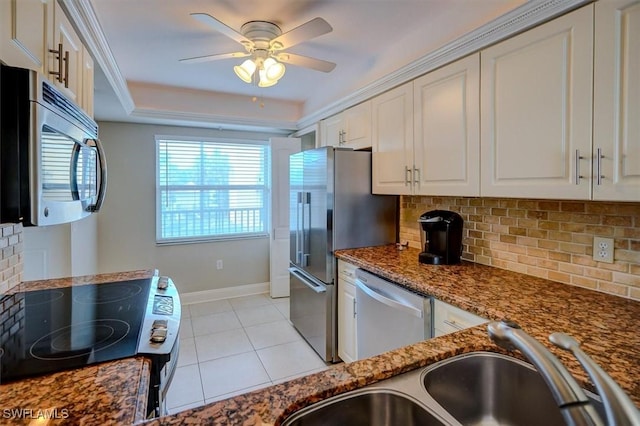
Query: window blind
[(211, 189)]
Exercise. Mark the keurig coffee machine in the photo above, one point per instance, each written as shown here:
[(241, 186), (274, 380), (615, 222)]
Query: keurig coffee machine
[(441, 237)]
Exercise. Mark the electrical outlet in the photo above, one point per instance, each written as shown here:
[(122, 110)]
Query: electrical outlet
[(603, 249), (219, 264)]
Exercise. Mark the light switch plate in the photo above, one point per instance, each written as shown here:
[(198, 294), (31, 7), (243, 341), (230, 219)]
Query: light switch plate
[(603, 249)]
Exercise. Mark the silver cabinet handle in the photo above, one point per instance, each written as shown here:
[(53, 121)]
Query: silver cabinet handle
[(453, 324), (58, 54), (354, 308), (599, 158), (389, 302), (578, 158), (407, 176), (416, 176)]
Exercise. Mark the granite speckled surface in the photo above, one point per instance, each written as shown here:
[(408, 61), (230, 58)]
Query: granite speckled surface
[(607, 326), (109, 393)]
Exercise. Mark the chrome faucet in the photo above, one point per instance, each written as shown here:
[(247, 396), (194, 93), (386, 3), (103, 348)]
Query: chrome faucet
[(571, 399), (619, 408)]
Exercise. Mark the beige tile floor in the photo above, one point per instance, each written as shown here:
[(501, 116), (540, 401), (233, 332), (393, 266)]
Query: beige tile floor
[(232, 346)]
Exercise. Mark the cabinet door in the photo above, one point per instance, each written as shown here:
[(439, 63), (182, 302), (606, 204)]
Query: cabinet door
[(73, 70), (449, 319), (87, 82), (447, 129), (331, 131), (392, 141), (616, 126), (357, 126), (25, 27), (536, 94), (347, 350)]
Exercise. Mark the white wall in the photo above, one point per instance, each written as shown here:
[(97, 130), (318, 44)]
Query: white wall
[(59, 251), (126, 223), (47, 252)]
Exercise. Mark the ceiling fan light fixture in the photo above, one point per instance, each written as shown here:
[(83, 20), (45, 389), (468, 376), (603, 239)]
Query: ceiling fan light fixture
[(274, 70), (245, 70), (265, 81)]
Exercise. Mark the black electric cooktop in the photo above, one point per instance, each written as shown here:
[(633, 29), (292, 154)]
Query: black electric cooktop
[(50, 330)]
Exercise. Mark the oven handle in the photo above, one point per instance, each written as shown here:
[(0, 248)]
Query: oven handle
[(318, 288), (103, 177)]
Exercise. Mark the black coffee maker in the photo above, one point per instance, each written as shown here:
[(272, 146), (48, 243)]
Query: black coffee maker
[(441, 237)]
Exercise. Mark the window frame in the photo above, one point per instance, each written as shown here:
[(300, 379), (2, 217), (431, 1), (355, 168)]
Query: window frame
[(210, 238)]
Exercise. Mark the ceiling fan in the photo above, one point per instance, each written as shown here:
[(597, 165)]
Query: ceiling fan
[(264, 42)]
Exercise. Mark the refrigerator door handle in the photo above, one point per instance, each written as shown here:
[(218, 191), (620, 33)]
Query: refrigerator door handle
[(299, 231), (306, 227), (317, 287)]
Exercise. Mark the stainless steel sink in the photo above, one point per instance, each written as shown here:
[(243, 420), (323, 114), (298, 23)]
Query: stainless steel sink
[(479, 388), (483, 388), (367, 407)]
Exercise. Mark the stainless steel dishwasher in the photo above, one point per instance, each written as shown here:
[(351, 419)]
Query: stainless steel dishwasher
[(388, 316)]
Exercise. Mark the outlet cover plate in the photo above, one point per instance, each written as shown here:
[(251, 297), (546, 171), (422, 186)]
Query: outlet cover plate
[(603, 249)]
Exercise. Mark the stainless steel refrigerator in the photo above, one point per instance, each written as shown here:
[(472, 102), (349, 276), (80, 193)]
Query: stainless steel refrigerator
[(331, 208)]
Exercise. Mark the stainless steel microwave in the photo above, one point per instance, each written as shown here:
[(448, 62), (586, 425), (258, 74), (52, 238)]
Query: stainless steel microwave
[(52, 166)]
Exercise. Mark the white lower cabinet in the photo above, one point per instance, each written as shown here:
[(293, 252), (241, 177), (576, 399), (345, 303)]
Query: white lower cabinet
[(347, 346), (449, 319)]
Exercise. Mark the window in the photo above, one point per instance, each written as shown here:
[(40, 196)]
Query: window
[(210, 189)]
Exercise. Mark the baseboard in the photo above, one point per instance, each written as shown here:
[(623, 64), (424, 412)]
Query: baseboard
[(223, 293)]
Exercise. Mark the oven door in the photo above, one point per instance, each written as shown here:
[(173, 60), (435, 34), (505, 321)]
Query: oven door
[(67, 170)]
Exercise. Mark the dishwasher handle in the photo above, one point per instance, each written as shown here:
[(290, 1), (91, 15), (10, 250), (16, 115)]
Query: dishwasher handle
[(389, 302)]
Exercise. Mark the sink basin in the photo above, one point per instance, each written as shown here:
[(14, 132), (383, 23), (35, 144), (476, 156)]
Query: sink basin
[(478, 388), (483, 388), (366, 407)]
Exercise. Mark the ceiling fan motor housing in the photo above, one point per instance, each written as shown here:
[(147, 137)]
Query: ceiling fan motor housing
[(260, 33)]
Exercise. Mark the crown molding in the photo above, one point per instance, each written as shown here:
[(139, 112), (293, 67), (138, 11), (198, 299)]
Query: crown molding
[(528, 15), (83, 15), (213, 121)]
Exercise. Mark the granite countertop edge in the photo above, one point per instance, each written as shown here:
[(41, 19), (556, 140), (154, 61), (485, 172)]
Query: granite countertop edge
[(606, 324)]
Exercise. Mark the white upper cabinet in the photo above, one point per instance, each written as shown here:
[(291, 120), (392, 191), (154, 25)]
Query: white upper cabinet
[(536, 91), (349, 129), (616, 125), (86, 101), (392, 141), (25, 27), (357, 126), (447, 130), (331, 130), (69, 58), (426, 136)]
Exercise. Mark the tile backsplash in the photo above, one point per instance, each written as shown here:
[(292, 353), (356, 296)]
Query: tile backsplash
[(544, 238), (11, 247)]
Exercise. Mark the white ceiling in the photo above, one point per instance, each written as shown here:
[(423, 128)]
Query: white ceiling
[(370, 40)]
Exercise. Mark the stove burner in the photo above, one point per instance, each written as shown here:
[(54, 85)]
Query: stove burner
[(115, 293), (43, 297), (79, 340)]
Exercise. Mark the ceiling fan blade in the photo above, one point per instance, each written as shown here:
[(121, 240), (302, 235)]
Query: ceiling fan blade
[(305, 61), (208, 58), (205, 18), (314, 28)]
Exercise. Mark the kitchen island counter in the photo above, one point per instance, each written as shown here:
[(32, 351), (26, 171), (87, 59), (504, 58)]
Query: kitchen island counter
[(606, 325), (109, 393)]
